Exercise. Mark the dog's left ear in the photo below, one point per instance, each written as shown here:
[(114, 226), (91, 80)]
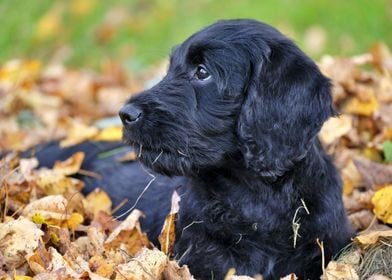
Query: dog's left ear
[(287, 101)]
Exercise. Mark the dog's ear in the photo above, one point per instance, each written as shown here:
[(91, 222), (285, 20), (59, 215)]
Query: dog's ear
[(287, 101)]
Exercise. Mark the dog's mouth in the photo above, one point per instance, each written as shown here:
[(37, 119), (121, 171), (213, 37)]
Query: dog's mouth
[(153, 155)]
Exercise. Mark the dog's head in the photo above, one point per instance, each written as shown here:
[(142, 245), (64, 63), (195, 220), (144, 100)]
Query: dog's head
[(237, 87)]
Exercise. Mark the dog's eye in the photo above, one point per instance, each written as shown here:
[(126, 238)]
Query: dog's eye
[(202, 73)]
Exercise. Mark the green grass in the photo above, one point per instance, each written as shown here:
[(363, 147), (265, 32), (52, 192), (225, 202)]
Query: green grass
[(144, 32)]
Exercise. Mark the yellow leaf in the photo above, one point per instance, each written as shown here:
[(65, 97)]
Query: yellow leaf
[(49, 24), (38, 218), (20, 277), (334, 128), (382, 201), (98, 200), (82, 7), (111, 133), (361, 107), (71, 165), (372, 237), (78, 133), (74, 220)]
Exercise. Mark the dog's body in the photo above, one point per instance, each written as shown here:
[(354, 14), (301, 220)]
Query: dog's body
[(237, 117)]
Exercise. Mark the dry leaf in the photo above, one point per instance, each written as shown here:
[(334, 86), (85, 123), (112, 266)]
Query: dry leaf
[(364, 108), (174, 272), (382, 201), (69, 166), (52, 209), (18, 238), (98, 200), (167, 237), (372, 237), (374, 174), (78, 133), (128, 235), (147, 265), (338, 271), (111, 133), (335, 128), (130, 156), (362, 219), (291, 276)]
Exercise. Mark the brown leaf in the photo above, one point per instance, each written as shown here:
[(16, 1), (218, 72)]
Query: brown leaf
[(174, 272), (361, 220), (69, 166), (374, 174), (337, 271), (335, 128), (148, 264), (128, 235), (372, 237), (167, 237)]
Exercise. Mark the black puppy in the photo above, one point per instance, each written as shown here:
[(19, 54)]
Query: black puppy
[(238, 115), (236, 120)]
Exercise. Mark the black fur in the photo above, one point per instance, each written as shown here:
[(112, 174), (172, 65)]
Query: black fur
[(246, 140)]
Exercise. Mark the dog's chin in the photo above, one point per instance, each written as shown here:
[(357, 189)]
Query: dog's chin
[(163, 161)]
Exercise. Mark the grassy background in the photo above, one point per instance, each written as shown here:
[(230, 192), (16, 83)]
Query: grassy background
[(141, 32)]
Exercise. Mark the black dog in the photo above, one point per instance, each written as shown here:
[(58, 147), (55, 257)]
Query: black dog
[(236, 117)]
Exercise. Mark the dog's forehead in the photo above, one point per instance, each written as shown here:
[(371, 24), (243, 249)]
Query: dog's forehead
[(226, 34)]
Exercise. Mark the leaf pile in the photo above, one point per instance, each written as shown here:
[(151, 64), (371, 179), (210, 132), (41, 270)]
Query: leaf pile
[(50, 230), (38, 103)]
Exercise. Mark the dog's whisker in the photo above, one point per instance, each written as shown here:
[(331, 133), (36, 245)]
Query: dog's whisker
[(239, 240), (156, 159), (182, 153), (191, 224), (185, 253), (140, 150)]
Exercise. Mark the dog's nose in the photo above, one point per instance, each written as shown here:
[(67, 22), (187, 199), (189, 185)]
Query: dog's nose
[(130, 114)]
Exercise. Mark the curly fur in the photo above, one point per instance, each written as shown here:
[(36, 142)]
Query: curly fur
[(246, 142)]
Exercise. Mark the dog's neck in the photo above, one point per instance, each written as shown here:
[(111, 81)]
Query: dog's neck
[(237, 171)]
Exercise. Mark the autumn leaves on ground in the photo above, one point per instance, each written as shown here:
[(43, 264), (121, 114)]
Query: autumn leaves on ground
[(49, 230)]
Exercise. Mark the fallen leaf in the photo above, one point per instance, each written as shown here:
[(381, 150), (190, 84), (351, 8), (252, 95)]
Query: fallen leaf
[(374, 174), (335, 128), (130, 156), (111, 133), (18, 238), (364, 108), (148, 264), (174, 272), (362, 219), (49, 24), (78, 133), (69, 166), (50, 209), (98, 200), (382, 201), (128, 235), (167, 237), (338, 271), (372, 237), (291, 276)]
